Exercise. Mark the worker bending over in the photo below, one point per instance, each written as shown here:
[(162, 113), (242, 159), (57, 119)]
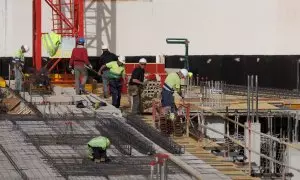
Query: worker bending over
[(79, 59), (18, 64), (97, 149), (105, 58), (115, 75), (135, 87), (172, 84)]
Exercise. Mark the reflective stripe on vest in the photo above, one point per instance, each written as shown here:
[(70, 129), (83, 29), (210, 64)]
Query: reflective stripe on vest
[(51, 42)]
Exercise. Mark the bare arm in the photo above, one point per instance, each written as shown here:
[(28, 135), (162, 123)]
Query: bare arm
[(101, 69), (137, 81)]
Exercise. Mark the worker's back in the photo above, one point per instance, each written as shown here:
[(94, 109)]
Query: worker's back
[(173, 81), (79, 57), (100, 141)]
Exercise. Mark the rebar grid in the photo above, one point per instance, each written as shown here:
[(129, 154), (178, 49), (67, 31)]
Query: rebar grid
[(116, 131), (154, 135), (118, 165)]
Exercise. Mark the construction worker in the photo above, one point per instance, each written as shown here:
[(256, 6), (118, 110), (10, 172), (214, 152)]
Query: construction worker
[(97, 149), (79, 59), (171, 85), (115, 75), (105, 58), (136, 84), (18, 63)]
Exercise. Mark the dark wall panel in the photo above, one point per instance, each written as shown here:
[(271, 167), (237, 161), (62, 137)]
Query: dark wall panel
[(273, 71)]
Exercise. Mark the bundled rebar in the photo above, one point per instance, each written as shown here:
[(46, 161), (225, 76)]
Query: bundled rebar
[(118, 131), (178, 131), (154, 135)]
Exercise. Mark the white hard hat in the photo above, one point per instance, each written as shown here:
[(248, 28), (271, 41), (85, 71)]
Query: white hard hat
[(184, 72), (104, 46), (143, 61), (121, 59), (26, 48)]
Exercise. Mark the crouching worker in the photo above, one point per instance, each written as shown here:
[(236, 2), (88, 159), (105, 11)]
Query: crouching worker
[(97, 149)]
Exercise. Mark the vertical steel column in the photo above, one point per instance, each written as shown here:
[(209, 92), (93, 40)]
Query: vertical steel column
[(296, 128), (252, 98), (249, 125), (289, 128), (187, 55), (152, 164), (187, 120), (298, 74), (157, 163), (9, 74), (80, 14), (256, 89), (37, 33), (248, 98)]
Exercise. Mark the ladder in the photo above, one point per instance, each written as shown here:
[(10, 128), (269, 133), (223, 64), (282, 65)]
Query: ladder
[(63, 17)]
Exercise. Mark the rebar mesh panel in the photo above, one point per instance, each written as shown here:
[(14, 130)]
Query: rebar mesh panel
[(154, 135)]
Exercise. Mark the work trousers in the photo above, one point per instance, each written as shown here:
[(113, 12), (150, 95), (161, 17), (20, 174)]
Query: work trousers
[(97, 153), (18, 78), (80, 85), (105, 81), (115, 86), (135, 92), (167, 99)]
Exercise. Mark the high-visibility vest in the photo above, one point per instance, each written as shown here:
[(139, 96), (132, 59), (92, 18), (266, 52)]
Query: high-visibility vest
[(51, 42), (100, 141)]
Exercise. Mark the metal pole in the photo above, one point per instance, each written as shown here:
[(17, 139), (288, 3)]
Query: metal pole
[(249, 124), (187, 55), (157, 172), (248, 99), (256, 89), (162, 170), (9, 75), (298, 78), (252, 98), (271, 145), (289, 128)]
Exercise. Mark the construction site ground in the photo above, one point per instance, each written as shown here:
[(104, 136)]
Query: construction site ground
[(209, 165), (199, 148), (45, 136)]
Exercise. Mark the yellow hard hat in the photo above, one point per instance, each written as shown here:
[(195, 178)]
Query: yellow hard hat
[(190, 74)]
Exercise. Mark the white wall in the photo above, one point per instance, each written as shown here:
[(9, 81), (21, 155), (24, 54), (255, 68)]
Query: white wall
[(293, 161), (217, 124), (141, 27)]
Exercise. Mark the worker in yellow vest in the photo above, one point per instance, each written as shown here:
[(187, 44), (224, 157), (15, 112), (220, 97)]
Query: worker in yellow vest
[(115, 75), (18, 64), (171, 85), (97, 149)]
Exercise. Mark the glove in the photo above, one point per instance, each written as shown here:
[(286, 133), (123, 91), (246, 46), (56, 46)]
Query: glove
[(172, 116), (90, 66)]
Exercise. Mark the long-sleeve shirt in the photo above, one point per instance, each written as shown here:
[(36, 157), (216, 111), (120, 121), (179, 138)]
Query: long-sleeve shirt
[(79, 57)]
